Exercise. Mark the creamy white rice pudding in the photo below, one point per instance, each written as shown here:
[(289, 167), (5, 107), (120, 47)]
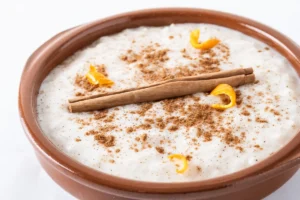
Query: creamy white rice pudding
[(134, 141)]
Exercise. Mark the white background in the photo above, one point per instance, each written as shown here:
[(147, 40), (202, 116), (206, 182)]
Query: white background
[(24, 25)]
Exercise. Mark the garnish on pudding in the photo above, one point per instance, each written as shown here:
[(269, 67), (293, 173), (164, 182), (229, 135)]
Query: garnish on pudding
[(96, 78), (227, 90), (168, 89), (184, 162), (208, 44)]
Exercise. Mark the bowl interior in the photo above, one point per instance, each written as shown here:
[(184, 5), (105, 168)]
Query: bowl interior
[(57, 49)]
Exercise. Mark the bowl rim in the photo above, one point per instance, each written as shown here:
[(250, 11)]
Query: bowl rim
[(92, 177)]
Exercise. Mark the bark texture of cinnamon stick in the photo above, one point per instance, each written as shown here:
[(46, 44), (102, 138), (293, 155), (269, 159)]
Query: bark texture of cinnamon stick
[(163, 90), (221, 74)]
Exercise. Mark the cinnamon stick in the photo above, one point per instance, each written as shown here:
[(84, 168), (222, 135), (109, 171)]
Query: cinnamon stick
[(221, 74), (163, 90)]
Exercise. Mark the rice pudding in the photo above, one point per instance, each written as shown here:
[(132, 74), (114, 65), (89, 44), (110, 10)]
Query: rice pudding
[(135, 141)]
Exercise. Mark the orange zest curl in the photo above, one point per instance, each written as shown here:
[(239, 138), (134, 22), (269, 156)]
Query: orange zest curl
[(227, 90), (184, 161), (208, 44), (94, 77)]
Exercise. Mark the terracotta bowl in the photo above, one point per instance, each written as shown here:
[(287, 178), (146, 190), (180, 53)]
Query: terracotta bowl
[(85, 183)]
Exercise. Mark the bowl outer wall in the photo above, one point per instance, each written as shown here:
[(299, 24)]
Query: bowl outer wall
[(60, 47)]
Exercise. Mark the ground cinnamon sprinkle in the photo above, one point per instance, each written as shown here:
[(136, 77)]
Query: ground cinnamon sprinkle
[(160, 123), (91, 132), (100, 114), (185, 54), (225, 50), (144, 126), (275, 112), (129, 130), (112, 161), (123, 57), (109, 118), (243, 135), (258, 146), (130, 57), (159, 119), (231, 139), (144, 108), (137, 139), (260, 120), (199, 132), (82, 82), (144, 137), (195, 140), (82, 122), (77, 139), (171, 37), (192, 115), (189, 157), (100, 138), (101, 69), (207, 137), (160, 150), (172, 105), (151, 58), (148, 120), (173, 128), (239, 98), (108, 141), (199, 114), (249, 106), (118, 150), (245, 112), (260, 94), (239, 148), (149, 55), (210, 64), (199, 169), (107, 128)]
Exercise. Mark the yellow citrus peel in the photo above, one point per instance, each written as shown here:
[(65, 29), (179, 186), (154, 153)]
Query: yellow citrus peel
[(94, 77), (184, 161), (227, 90), (208, 44)]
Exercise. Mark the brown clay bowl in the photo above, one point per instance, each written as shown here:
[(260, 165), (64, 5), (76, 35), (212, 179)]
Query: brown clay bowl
[(85, 183)]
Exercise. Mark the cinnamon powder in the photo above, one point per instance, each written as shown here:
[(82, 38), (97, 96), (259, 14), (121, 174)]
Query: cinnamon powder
[(160, 150)]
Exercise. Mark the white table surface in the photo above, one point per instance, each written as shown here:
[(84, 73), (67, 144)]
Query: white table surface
[(24, 25)]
